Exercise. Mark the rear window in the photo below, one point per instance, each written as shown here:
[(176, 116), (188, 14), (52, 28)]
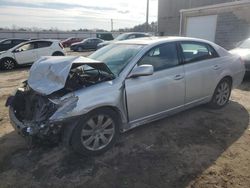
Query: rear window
[(196, 51), (43, 44)]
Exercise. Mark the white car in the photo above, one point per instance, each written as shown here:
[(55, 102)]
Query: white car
[(243, 50), (29, 52)]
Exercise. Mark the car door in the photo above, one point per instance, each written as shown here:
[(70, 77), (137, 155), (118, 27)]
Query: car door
[(96, 42), (25, 53), (158, 93), (43, 48), (87, 44), (201, 70)]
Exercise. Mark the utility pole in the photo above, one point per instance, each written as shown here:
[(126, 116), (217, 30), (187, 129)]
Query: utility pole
[(147, 13), (111, 24)]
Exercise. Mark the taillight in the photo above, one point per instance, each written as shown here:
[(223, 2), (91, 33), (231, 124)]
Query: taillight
[(60, 44)]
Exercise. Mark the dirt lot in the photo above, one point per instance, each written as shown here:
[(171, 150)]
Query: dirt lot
[(196, 148)]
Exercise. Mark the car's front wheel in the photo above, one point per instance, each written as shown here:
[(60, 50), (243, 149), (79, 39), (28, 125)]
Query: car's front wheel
[(8, 64), (221, 94), (96, 132)]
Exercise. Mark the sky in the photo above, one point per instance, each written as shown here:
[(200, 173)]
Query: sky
[(75, 14)]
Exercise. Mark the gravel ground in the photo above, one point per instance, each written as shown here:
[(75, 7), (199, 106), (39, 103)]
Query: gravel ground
[(196, 148)]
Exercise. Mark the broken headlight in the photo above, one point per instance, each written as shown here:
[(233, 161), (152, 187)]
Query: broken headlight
[(64, 105)]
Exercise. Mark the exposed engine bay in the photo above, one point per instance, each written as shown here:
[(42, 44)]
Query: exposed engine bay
[(79, 78), (30, 110)]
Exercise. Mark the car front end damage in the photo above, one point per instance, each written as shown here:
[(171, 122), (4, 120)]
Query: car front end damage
[(39, 117), (38, 109)]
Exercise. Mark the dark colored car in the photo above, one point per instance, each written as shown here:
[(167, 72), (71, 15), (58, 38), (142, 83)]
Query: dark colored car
[(86, 44), (124, 36), (67, 42), (105, 36), (7, 44)]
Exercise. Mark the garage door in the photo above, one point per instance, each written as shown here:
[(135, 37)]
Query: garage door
[(203, 27)]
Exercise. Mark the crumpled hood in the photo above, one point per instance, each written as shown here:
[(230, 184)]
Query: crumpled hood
[(49, 74)]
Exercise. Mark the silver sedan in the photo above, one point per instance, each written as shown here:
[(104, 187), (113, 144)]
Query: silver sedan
[(88, 102)]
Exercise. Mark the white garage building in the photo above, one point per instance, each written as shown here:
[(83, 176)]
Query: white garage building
[(226, 24), (223, 23)]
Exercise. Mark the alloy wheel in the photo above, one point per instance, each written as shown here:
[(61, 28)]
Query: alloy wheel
[(8, 64), (97, 132), (222, 94)]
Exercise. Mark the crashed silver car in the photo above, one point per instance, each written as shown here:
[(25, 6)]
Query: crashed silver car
[(86, 102)]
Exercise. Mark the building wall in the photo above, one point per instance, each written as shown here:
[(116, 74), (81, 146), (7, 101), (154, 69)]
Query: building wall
[(169, 13), (233, 22), (231, 29)]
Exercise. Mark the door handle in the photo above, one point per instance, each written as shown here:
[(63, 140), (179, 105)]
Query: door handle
[(216, 67), (178, 77)]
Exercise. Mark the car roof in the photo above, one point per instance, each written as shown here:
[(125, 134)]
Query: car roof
[(152, 40), (26, 42)]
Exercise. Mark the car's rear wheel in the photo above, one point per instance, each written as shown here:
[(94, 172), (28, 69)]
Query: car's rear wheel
[(96, 132), (57, 54), (8, 64), (221, 94)]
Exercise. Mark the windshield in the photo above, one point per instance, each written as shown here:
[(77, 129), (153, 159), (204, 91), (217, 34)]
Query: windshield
[(116, 56), (245, 44), (122, 37)]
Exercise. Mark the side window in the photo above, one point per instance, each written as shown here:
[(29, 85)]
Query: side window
[(18, 41), (43, 44), (161, 57), (131, 37), (195, 51), (25, 47), (141, 35), (7, 42)]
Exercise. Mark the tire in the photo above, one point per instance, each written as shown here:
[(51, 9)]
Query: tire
[(221, 94), (8, 64), (89, 138), (57, 54), (79, 49)]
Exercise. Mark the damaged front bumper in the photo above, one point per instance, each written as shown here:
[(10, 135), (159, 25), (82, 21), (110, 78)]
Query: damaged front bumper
[(32, 129), (50, 127)]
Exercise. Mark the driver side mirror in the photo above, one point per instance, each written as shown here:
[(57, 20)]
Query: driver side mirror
[(142, 70)]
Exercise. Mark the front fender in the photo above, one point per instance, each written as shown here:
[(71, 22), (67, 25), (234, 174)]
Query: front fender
[(101, 95)]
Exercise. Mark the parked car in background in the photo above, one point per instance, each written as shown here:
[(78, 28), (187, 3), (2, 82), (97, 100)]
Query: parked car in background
[(67, 42), (29, 52), (124, 36), (86, 44), (10, 43), (243, 50), (105, 36), (119, 87)]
